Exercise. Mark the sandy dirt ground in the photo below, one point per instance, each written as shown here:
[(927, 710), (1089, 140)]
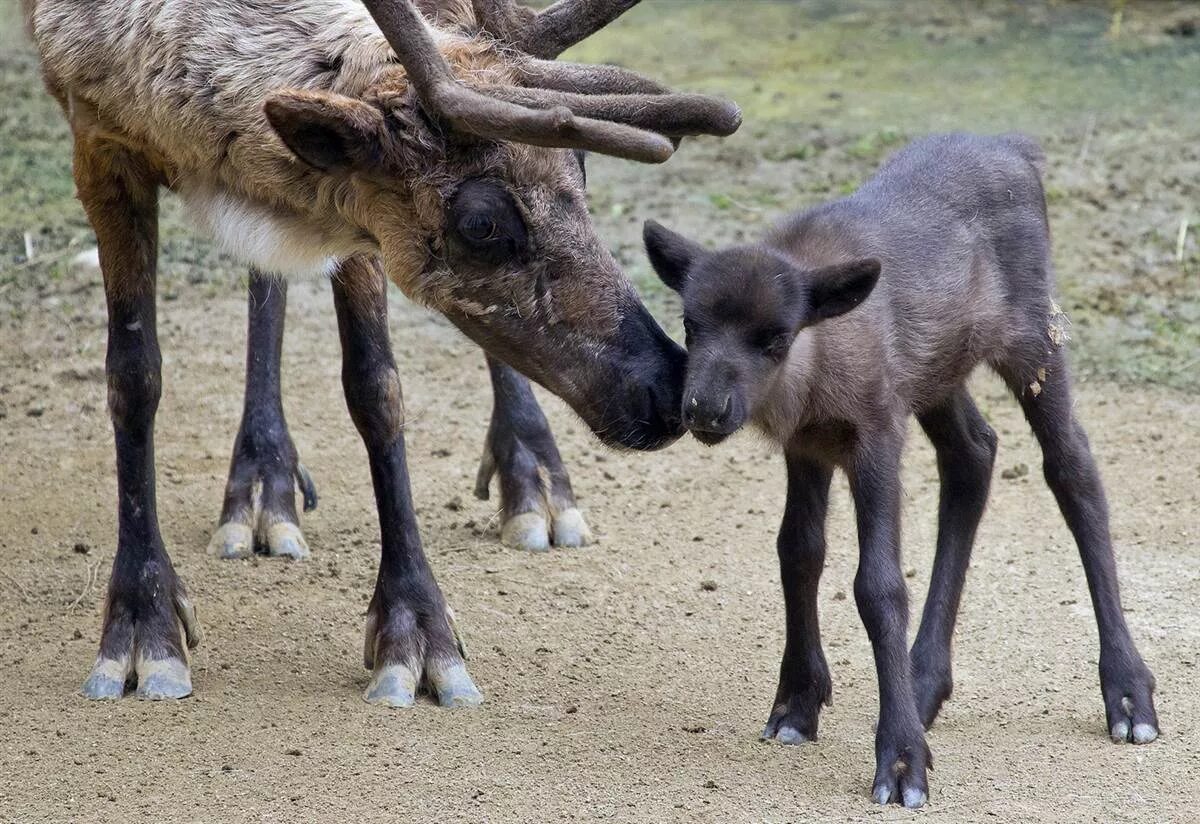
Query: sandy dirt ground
[(627, 681), (624, 681)]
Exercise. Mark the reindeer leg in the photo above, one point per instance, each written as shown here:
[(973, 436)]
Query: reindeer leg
[(147, 603), (966, 450), (901, 755), (260, 496), (410, 642), (804, 683), (1070, 471), (537, 504)]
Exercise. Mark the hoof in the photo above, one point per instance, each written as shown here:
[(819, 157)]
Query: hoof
[(1122, 733), (287, 541), (393, 685), (785, 735), (231, 541), (900, 776), (163, 679), (1130, 701), (570, 529), (106, 682), (527, 531), (453, 685), (157, 680)]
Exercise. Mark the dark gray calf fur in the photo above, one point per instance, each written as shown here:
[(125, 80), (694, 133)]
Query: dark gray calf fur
[(944, 259)]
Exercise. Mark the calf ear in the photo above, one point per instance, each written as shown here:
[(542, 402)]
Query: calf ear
[(835, 290), (327, 131), (671, 254)]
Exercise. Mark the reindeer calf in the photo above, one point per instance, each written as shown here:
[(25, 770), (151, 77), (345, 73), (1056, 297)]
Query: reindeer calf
[(827, 335)]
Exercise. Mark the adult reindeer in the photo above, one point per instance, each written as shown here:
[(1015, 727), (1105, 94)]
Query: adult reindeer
[(313, 137)]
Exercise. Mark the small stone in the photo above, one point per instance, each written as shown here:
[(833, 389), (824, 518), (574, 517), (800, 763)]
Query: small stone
[(708, 585), (81, 548), (455, 504), (839, 596), (1015, 472)]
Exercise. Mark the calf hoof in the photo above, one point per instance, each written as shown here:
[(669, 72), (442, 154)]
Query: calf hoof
[(791, 724), (901, 765), (1129, 703), (144, 653), (407, 661)]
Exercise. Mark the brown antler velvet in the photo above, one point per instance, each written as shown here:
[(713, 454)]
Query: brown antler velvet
[(549, 33), (602, 109)]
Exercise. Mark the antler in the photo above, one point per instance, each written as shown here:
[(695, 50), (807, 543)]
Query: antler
[(548, 33), (636, 123)]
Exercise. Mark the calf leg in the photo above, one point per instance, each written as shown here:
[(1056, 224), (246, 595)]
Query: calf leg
[(411, 643), (966, 451), (901, 755), (146, 602), (804, 683), (537, 504), (1070, 471), (260, 497)]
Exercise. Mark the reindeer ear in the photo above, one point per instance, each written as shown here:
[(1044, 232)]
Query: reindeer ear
[(671, 254), (329, 132), (835, 290)]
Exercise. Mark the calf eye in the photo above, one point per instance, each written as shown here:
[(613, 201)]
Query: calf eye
[(484, 224), (773, 343)]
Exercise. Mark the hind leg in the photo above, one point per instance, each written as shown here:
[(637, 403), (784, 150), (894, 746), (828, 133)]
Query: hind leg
[(966, 451), (1041, 382), (147, 606), (537, 503), (259, 511)]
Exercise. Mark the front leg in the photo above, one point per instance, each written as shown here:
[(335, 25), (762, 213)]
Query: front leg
[(411, 643), (901, 755), (148, 618), (537, 504), (804, 683), (259, 511)]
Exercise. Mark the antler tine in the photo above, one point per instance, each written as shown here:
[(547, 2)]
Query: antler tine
[(567, 22), (585, 78), (470, 111), (673, 115)]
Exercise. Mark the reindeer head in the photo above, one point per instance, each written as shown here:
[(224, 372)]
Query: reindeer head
[(466, 168), (742, 310)]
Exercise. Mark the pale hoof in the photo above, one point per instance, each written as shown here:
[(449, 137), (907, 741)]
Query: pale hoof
[(785, 735), (1144, 733), (527, 531), (393, 685), (231, 541), (570, 529), (453, 685), (287, 541), (106, 682), (163, 679)]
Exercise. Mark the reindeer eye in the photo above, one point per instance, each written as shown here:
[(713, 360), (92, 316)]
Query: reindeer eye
[(485, 226), (477, 227)]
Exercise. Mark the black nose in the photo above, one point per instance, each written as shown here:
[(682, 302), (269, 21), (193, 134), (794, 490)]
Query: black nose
[(715, 414)]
